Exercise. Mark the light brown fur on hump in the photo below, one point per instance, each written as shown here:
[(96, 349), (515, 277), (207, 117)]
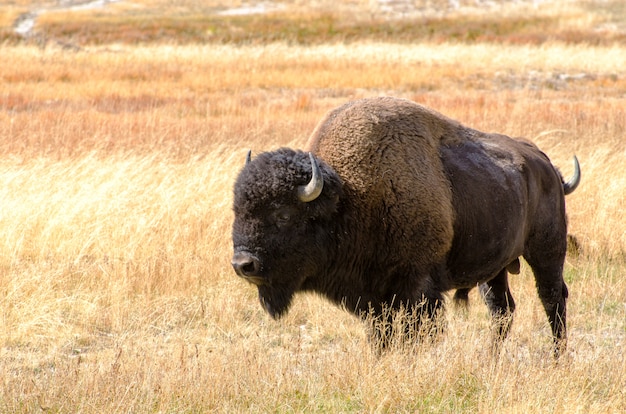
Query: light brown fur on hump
[(386, 152)]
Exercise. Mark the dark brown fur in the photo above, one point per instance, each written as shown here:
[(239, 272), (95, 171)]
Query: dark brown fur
[(414, 204)]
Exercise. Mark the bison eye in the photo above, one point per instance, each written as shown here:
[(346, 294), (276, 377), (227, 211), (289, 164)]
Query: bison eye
[(282, 216)]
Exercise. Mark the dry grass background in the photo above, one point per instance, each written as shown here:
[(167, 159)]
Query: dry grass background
[(116, 292)]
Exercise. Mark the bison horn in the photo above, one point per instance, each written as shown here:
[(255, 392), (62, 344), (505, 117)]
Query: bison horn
[(573, 182), (248, 157), (313, 189)]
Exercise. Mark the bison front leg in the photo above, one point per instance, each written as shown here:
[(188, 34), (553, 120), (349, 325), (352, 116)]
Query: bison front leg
[(497, 296), (405, 322), (426, 321), (461, 298), (553, 294)]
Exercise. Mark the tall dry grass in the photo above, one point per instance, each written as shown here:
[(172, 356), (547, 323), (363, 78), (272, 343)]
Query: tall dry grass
[(116, 292)]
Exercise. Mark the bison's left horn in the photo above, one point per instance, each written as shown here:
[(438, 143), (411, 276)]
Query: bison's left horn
[(573, 182), (248, 157), (313, 189)]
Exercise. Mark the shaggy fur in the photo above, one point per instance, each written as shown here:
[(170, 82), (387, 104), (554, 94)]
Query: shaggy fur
[(414, 204)]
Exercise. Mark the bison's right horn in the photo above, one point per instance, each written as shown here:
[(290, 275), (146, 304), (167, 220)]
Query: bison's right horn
[(313, 189), (573, 182), (248, 157)]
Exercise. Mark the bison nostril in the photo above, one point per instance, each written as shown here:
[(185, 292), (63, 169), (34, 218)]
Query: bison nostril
[(246, 264), (248, 268)]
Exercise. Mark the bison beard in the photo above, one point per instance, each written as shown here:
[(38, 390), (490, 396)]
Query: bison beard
[(395, 204), (275, 300)]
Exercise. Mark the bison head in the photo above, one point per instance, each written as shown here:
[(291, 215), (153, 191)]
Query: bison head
[(285, 203)]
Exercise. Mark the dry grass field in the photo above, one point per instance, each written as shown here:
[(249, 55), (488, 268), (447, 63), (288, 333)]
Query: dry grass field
[(117, 161)]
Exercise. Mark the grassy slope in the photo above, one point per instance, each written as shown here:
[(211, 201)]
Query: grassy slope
[(115, 179), (589, 22)]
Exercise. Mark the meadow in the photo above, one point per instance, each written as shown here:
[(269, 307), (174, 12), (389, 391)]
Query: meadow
[(117, 161)]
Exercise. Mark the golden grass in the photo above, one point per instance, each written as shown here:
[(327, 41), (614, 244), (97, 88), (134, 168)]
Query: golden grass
[(189, 22), (116, 293)]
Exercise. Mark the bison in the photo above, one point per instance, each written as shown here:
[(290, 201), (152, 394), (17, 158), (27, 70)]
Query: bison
[(391, 205)]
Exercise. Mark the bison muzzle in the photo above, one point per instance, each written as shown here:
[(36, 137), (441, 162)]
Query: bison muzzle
[(393, 204)]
